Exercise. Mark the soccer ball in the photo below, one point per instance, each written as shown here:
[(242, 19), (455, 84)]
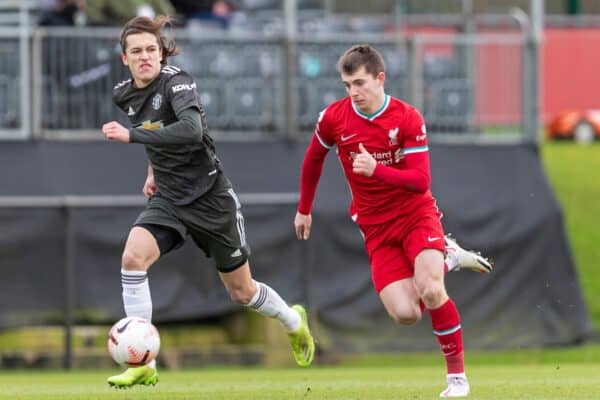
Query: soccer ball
[(133, 342)]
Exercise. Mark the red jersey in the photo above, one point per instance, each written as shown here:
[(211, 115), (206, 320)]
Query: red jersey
[(395, 136)]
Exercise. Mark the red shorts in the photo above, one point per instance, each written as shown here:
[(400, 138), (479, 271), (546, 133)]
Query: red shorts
[(394, 245)]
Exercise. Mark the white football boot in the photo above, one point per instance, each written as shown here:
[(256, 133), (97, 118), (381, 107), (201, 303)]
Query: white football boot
[(458, 386), (459, 258)]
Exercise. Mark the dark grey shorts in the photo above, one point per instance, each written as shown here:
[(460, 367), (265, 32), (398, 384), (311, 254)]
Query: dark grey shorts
[(214, 221)]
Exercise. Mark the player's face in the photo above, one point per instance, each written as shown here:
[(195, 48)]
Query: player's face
[(143, 57), (365, 89)]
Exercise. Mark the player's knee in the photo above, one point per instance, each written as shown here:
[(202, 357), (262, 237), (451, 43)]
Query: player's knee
[(405, 316), (240, 295), (133, 261), (432, 295)]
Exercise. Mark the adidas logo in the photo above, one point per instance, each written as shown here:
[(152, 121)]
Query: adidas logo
[(130, 112), (236, 253)]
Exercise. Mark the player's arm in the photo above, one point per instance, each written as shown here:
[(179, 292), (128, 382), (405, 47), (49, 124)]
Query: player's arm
[(186, 130), (312, 168), (149, 186), (181, 94), (415, 174), (414, 177)]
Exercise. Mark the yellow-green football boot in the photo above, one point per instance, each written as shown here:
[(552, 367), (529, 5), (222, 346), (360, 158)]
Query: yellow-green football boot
[(143, 375), (303, 344)]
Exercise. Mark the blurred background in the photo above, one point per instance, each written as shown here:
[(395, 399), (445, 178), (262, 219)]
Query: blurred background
[(507, 89)]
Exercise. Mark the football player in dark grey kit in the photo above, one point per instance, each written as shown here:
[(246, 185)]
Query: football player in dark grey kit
[(186, 189)]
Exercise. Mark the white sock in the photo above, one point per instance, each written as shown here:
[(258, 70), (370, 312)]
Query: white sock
[(136, 297), (267, 302), (136, 294), (461, 375)]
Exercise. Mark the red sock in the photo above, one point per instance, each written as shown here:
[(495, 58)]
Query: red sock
[(445, 321)]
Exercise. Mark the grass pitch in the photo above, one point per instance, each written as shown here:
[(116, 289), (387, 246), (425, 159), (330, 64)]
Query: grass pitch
[(573, 172), (572, 380)]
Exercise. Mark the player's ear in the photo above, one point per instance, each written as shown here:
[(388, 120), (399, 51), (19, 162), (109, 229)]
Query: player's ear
[(381, 78), (124, 59)]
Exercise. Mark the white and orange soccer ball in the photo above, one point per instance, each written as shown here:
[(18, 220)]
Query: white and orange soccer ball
[(133, 342)]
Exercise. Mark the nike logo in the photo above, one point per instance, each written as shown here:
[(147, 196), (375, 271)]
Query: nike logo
[(344, 138), (433, 239), (121, 329)]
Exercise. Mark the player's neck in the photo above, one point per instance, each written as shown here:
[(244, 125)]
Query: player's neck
[(375, 105), (138, 84)]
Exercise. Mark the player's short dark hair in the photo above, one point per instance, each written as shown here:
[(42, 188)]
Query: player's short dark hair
[(154, 26), (361, 55)]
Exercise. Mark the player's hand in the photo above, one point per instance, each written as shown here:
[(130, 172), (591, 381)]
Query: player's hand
[(149, 186), (364, 163), (115, 131), (302, 223)]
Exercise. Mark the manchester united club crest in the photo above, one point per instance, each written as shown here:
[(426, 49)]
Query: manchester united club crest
[(157, 101)]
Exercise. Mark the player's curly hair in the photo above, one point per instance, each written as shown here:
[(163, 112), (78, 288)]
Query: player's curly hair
[(361, 55), (154, 26)]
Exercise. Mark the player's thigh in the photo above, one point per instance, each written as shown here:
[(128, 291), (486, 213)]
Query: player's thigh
[(388, 264), (141, 250), (401, 301), (429, 277), (425, 247), (156, 231), (216, 223), (426, 234), (429, 265)]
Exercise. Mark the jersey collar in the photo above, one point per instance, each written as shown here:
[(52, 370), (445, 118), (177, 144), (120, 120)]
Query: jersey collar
[(374, 115)]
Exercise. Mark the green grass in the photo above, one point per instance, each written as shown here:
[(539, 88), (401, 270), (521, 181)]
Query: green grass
[(568, 373), (574, 172), (588, 354), (569, 381)]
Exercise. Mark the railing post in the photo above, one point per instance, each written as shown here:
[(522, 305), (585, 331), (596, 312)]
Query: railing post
[(24, 80), (37, 82), (290, 55), (69, 284), (415, 72)]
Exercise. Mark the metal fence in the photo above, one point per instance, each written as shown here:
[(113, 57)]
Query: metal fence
[(469, 87), (14, 71)]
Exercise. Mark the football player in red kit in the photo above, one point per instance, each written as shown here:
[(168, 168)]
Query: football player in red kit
[(382, 146)]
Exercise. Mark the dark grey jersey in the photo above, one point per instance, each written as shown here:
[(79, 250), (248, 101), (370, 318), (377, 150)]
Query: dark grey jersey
[(185, 167)]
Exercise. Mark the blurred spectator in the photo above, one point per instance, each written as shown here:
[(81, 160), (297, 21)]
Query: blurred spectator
[(212, 11), (59, 12), (118, 12)]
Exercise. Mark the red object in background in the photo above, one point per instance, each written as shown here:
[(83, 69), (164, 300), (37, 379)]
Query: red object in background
[(570, 62), (583, 126)]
